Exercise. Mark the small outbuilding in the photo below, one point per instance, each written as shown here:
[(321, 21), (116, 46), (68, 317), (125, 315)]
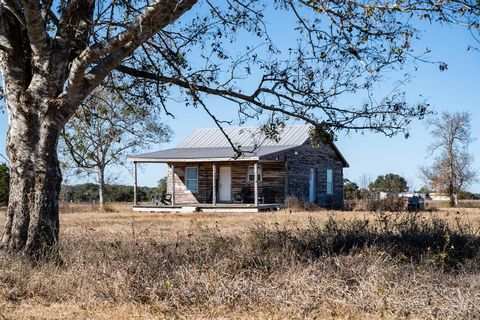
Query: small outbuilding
[(205, 175)]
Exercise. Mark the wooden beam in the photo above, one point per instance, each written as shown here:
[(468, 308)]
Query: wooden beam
[(135, 201), (165, 160), (173, 184), (214, 184), (255, 183)]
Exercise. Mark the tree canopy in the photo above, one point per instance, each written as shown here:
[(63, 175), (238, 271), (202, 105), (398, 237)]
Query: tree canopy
[(389, 183)]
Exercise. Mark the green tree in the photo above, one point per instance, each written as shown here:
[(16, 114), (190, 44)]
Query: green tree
[(53, 54), (162, 185), (4, 184), (389, 183), (351, 189)]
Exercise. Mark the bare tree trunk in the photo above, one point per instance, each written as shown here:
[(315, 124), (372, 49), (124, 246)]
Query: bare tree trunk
[(101, 187), (452, 201), (451, 190), (32, 221)]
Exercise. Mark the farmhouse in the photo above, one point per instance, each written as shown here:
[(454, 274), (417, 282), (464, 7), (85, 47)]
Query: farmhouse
[(205, 175)]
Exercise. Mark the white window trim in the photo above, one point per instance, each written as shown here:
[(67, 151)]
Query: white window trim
[(186, 179), (260, 173)]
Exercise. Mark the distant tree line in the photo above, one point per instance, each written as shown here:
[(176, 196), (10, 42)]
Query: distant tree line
[(88, 192), (392, 183)]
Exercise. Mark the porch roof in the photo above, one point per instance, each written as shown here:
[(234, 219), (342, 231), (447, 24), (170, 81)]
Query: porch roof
[(208, 154)]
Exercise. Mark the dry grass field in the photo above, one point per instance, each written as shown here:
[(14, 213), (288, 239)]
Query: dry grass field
[(282, 265)]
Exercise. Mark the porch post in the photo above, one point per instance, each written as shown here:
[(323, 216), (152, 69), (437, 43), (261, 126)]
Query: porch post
[(255, 183), (214, 184), (287, 191), (135, 202), (173, 184)]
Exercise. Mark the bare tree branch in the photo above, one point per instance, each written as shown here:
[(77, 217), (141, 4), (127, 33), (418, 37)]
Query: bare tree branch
[(111, 52)]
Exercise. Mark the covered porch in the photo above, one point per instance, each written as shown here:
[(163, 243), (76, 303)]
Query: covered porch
[(217, 185)]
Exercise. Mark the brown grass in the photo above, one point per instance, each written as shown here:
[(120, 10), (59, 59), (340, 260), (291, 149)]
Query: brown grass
[(324, 264)]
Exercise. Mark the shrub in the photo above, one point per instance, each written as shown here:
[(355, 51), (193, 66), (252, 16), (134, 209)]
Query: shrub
[(295, 204), (408, 237), (391, 204)]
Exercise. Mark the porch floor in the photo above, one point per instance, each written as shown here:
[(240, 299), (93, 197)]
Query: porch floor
[(208, 207)]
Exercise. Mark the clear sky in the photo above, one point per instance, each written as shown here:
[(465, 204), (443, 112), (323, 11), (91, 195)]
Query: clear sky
[(369, 155)]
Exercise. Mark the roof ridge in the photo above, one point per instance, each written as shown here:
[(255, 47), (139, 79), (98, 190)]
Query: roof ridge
[(242, 147), (251, 127)]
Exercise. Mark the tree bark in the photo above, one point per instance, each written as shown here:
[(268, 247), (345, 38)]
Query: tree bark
[(451, 193), (32, 221)]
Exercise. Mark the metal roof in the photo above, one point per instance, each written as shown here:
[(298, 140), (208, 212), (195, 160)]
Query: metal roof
[(290, 135), (205, 154), (212, 145)]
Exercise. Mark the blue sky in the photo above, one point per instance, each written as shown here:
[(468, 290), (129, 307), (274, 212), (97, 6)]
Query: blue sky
[(369, 154)]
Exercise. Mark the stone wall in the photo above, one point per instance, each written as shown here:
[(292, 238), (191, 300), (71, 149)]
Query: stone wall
[(300, 160)]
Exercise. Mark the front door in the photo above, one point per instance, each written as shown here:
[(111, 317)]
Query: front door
[(225, 184)]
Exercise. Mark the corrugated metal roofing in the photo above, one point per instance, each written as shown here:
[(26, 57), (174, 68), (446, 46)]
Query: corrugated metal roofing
[(291, 135), (207, 153)]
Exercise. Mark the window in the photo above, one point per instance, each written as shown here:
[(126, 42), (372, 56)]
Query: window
[(191, 178), (329, 181), (251, 174)]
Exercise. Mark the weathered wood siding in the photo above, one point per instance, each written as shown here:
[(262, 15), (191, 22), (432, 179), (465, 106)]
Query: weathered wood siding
[(273, 178), (182, 194)]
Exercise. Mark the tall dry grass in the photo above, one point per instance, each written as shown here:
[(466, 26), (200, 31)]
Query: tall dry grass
[(269, 265)]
